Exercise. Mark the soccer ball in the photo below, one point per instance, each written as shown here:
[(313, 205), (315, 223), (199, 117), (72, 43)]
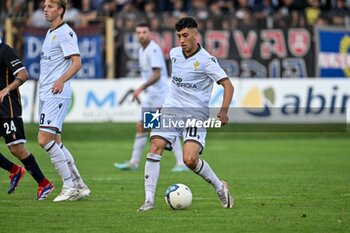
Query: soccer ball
[(178, 196)]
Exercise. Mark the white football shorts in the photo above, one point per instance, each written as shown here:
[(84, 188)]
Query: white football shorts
[(155, 101), (52, 112), (190, 133), (152, 103)]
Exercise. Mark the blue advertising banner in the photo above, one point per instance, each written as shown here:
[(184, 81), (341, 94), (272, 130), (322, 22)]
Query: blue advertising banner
[(90, 46), (333, 52)]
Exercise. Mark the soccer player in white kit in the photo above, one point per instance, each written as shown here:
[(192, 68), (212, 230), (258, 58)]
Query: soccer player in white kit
[(156, 87), (194, 71), (60, 61)]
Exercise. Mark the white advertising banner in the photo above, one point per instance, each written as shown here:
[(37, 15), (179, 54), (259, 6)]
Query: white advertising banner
[(288, 100), (103, 101), (255, 100)]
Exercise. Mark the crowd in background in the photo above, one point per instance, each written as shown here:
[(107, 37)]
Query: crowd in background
[(161, 14)]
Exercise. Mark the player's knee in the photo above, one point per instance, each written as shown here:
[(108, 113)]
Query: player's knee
[(190, 162), (19, 151), (44, 138), (41, 142), (156, 147), (14, 151)]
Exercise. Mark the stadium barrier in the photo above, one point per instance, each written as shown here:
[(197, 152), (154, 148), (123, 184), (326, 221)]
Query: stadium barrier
[(255, 100)]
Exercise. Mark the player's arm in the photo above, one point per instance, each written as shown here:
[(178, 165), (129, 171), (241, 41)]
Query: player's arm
[(227, 98), (15, 66), (72, 70), (21, 77), (153, 79)]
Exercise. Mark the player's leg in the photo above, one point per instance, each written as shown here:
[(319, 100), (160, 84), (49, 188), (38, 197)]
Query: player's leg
[(47, 141), (177, 150), (8, 131), (199, 166), (15, 139), (152, 170), (139, 144), (52, 113), (45, 187), (16, 172), (7, 164), (192, 147), (83, 190)]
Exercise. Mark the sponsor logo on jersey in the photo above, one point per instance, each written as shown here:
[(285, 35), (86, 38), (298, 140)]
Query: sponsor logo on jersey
[(178, 82), (43, 57)]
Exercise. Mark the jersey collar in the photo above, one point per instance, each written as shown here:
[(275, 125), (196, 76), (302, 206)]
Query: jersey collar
[(51, 30), (195, 52)]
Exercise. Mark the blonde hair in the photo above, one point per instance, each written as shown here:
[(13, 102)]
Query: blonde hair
[(60, 3)]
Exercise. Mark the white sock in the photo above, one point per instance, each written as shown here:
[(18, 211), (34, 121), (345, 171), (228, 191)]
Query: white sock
[(204, 170), (177, 150), (58, 159), (77, 180), (152, 169), (139, 144)]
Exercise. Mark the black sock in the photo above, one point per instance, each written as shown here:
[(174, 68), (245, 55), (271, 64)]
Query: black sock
[(5, 163), (33, 168)]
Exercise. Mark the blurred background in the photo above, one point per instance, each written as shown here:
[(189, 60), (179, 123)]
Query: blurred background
[(251, 38), (274, 49)]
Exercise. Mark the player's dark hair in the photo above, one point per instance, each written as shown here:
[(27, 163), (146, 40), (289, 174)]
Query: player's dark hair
[(143, 24), (186, 22)]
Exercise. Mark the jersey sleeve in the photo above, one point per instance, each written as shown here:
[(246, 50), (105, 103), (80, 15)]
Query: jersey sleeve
[(214, 70), (156, 57), (69, 44), (12, 61)]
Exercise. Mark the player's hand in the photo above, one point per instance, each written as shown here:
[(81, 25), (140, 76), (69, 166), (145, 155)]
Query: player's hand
[(4, 92), (223, 117), (136, 93), (57, 87)]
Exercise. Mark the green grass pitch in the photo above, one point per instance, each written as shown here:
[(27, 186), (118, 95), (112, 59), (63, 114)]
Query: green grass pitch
[(282, 182)]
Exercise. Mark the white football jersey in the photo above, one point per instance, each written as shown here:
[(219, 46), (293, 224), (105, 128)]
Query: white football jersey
[(149, 58), (58, 45), (192, 81)]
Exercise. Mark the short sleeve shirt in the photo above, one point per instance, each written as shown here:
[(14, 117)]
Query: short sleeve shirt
[(192, 80), (57, 47), (10, 65), (149, 58)]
